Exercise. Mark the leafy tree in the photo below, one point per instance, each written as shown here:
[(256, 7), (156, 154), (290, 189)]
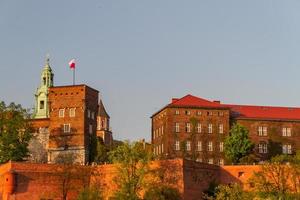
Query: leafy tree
[(133, 165), (99, 152), (237, 144), (90, 193), (232, 192), (162, 193), (15, 132)]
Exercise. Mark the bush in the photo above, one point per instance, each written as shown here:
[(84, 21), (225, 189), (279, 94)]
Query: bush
[(162, 193)]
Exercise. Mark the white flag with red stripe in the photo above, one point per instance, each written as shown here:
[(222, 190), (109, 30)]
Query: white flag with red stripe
[(72, 64)]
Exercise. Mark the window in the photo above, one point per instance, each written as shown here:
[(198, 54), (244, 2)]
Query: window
[(210, 146), (221, 114), (42, 105), (262, 131), (162, 148), (67, 128), (88, 113), (187, 112), (211, 161), (90, 129), (61, 113), (262, 147), (209, 113), (221, 161), (177, 130), (221, 146), (199, 113), (159, 150), (177, 112), (93, 115), (44, 80), (162, 130), (158, 131), (286, 132), (210, 128), (188, 127), (287, 149), (177, 145), (188, 145), (153, 134), (220, 128), (198, 127), (199, 146), (72, 112), (199, 160)]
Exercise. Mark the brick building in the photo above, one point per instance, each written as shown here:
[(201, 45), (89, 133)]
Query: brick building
[(65, 121), (192, 126)]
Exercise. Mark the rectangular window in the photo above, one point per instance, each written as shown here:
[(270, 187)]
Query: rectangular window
[(177, 112), (221, 114), (199, 128), (67, 128), (188, 145), (177, 145), (221, 161), (88, 113), (42, 105), (220, 128), (262, 131), (210, 128), (211, 161), (221, 146), (153, 134), (262, 148), (61, 113), (199, 113), (199, 146), (187, 112), (72, 112), (210, 146), (93, 115), (177, 128), (287, 149), (188, 127), (162, 148), (162, 130), (286, 132), (90, 128), (199, 160)]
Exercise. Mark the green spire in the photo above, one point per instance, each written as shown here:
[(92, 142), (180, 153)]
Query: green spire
[(41, 109)]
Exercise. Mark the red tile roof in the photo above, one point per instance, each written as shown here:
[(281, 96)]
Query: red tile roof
[(265, 112), (190, 100), (242, 111)]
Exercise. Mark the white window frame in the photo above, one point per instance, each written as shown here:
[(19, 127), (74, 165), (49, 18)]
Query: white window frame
[(72, 112), (61, 113), (221, 146), (188, 112), (221, 161), (210, 128), (162, 130), (263, 147), (210, 161), (177, 112), (199, 128), (199, 146), (188, 127), (188, 145), (286, 132), (265, 131), (210, 146), (221, 128), (67, 128), (287, 149), (177, 145), (177, 127)]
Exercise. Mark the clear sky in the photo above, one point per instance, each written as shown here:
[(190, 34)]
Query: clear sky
[(139, 54)]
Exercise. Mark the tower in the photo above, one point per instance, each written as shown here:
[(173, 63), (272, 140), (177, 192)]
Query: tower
[(103, 129), (41, 109)]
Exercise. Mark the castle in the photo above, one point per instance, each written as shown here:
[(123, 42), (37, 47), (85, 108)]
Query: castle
[(66, 119), (192, 124)]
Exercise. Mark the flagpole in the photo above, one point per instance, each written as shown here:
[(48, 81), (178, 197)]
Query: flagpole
[(74, 76)]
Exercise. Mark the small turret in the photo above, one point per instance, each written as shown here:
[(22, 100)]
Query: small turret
[(41, 109), (103, 127)]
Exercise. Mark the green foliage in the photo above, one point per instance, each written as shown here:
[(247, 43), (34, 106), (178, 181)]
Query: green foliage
[(237, 144), (133, 164), (211, 191), (232, 192), (99, 152), (90, 193), (15, 132), (162, 193)]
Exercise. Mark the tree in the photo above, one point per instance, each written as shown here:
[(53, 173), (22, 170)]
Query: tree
[(90, 193), (237, 144), (99, 152), (132, 165), (15, 132), (278, 177), (162, 193), (232, 192)]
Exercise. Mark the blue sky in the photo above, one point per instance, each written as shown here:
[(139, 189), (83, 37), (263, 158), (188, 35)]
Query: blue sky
[(139, 54)]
